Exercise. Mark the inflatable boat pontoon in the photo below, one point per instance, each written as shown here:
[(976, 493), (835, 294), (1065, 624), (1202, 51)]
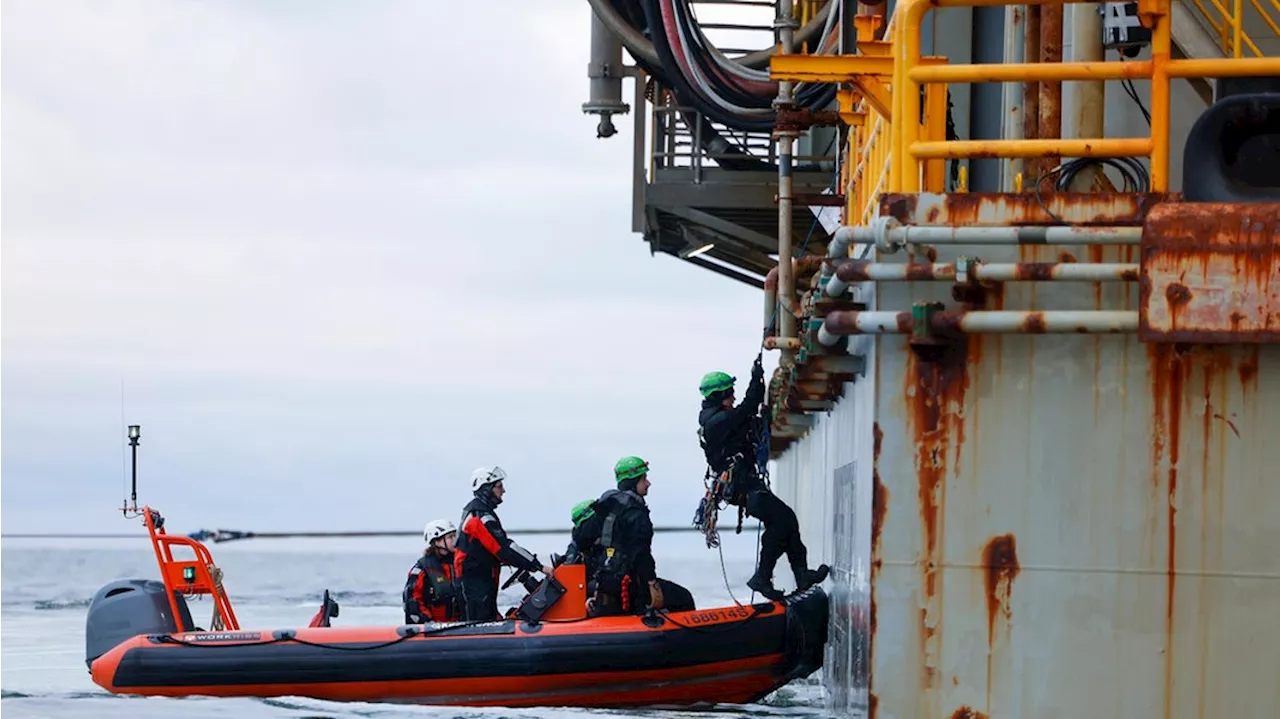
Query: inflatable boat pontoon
[(140, 639)]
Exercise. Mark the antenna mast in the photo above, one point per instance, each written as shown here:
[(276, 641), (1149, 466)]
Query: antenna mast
[(131, 505)]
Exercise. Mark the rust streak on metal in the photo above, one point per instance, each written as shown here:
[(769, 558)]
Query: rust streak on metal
[(1034, 323), (1170, 366), (937, 379), (1231, 425), (1050, 105), (990, 209), (879, 509), (879, 500), (1000, 568), (1210, 274), (1000, 563), (966, 712), (1095, 256), (1248, 371)]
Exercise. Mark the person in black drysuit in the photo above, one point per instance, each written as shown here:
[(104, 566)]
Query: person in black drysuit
[(483, 547), (728, 440), (582, 549), (626, 578)]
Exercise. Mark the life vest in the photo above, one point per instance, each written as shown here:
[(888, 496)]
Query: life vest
[(483, 545), (430, 592), (615, 562)]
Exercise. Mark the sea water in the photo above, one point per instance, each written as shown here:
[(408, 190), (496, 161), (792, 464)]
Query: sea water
[(46, 585)]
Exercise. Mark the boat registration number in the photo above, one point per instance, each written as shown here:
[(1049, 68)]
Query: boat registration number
[(718, 615), (223, 637)]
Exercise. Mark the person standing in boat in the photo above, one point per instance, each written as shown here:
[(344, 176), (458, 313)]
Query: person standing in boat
[(483, 547), (729, 442), (430, 594), (625, 575)]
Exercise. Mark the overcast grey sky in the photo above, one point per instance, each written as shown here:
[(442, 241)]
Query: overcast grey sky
[(340, 253)]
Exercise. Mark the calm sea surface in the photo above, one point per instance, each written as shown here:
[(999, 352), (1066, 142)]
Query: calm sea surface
[(46, 585)]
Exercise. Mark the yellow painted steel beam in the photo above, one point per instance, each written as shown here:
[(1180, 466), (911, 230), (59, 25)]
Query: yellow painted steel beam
[(1102, 147), (1032, 72), (876, 95), (828, 68), (849, 113), (1224, 67)]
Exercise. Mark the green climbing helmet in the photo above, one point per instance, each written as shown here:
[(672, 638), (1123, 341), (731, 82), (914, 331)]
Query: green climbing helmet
[(630, 468), (581, 512), (713, 382)]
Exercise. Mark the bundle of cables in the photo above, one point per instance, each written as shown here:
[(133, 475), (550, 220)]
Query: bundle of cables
[(677, 54)]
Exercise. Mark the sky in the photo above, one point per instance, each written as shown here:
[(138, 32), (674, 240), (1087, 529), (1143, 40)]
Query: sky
[(336, 258)]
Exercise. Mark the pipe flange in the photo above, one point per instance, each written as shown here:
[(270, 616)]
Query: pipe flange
[(881, 227)]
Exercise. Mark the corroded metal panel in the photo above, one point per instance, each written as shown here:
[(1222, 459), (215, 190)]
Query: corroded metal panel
[(1062, 525), (1067, 512), (991, 209), (1211, 273), (826, 477)]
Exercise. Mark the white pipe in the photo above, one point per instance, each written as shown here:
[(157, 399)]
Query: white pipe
[(994, 272), (890, 235), (980, 322)]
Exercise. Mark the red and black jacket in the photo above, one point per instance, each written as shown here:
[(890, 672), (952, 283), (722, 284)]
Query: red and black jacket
[(430, 594), (483, 546)]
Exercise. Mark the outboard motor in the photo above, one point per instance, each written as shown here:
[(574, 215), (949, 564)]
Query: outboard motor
[(1232, 153), (126, 608)]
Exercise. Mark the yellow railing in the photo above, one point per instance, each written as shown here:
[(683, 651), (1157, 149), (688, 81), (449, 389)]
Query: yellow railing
[(915, 146), (1229, 23), (870, 152)]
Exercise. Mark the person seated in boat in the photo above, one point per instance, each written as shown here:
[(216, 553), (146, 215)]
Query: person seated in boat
[(626, 578), (430, 593), (483, 547), (580, 549), (729, 441)]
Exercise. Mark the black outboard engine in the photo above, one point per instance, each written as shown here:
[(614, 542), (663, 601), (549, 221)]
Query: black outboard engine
[(126, 608), (1232, 153)]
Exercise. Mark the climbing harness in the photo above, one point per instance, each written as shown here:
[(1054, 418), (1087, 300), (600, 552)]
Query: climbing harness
[(720, 488)]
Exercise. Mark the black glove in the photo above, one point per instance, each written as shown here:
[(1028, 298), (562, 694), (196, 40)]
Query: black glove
[(757, 370)]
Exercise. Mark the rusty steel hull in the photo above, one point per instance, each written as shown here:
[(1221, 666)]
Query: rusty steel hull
[(1211, 274), (1048, 525)]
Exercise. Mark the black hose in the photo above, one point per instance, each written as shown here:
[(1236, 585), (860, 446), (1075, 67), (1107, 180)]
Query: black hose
[(647, 12)]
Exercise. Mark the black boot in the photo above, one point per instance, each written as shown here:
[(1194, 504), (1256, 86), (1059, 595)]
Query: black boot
[(806, 578), (764, 585), (762, 580)]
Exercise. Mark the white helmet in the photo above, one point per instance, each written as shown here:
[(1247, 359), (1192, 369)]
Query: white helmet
[(436, 529), (484, 476)]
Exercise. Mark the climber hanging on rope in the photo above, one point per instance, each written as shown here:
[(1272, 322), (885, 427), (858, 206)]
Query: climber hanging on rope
[(731, 439)]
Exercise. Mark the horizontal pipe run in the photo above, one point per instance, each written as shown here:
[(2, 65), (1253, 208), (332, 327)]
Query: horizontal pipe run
[(896, 235), (1032, 72), (979, 322), (782, 343), (994, 272), (1224, 67), (1087, 147)]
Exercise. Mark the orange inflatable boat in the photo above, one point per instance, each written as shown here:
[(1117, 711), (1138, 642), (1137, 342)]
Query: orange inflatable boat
[(140, 639)]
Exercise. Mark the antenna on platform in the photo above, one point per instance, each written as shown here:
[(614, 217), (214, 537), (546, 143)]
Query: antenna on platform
[(135, 434)]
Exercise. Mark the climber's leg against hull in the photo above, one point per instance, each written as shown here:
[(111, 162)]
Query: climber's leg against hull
[(732, 438)]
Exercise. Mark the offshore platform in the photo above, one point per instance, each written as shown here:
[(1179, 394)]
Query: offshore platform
[(1022, 265)]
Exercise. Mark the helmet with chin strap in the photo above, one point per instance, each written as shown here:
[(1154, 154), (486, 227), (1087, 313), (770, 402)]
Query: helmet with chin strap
[(630, 468), (486, 477), (436, 529), (715, 383)]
